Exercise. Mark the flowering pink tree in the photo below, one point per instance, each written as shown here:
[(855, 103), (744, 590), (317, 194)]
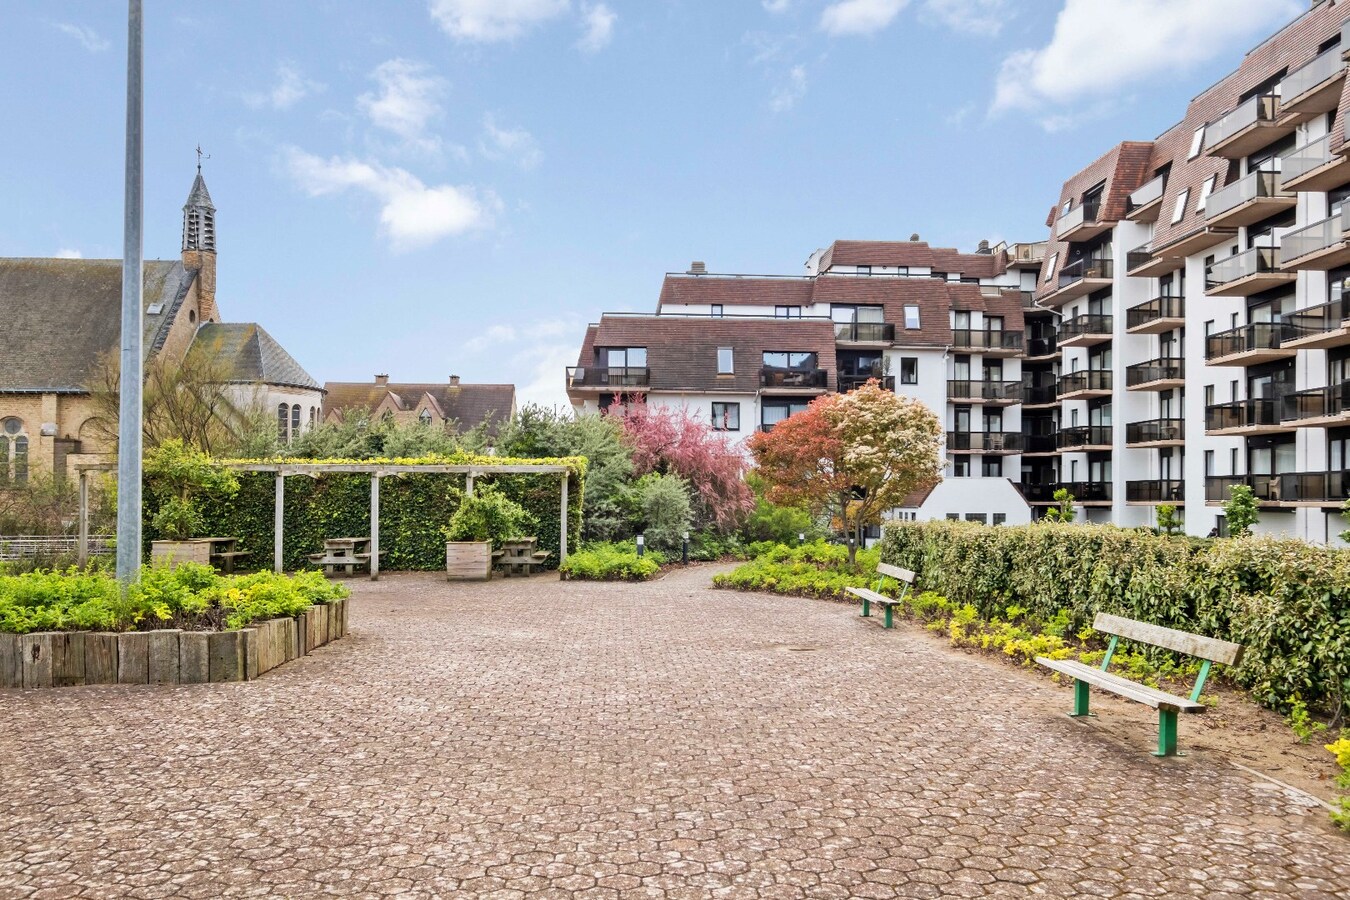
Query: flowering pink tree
[(675, 442)]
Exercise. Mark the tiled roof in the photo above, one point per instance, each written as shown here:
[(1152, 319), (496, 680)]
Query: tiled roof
[(468, 404), (251, 355), (732, 290), (59, 316), (912, 253), (932, 296)]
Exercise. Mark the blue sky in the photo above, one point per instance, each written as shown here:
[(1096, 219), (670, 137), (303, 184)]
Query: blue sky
[(427, 187)]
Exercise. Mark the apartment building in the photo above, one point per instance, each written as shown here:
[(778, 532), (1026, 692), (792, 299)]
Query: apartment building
[(745, 352), (1197, 284)]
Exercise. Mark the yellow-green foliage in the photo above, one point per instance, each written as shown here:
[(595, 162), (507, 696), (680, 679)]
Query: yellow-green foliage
[(810, 570), (1286, 602), (611, 562), (188, 596), (1341, 750)]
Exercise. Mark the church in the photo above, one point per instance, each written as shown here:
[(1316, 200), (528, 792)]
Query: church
[(62, 317)]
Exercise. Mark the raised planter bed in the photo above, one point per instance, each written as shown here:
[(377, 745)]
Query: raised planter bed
[(67, 658), (468, 560)]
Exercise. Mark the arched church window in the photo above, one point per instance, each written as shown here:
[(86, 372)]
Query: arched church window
[(295, 421), (283, 419), (21, 460)]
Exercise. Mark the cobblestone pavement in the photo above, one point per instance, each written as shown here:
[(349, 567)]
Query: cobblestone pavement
[(535, 739)]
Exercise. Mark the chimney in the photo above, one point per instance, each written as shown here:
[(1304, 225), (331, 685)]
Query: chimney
[(454, 381), (697, 267), (381, 380), (983, 249)]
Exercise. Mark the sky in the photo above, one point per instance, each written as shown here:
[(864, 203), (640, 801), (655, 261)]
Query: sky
[(434, 187)]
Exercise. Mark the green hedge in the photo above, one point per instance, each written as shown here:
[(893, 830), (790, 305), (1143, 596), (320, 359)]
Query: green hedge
[(413, 510), (612, 562), (1287, 602)]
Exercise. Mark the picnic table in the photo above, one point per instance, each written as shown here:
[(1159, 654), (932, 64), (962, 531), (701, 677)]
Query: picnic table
[(223, 552), (522, 557), (344, 553)]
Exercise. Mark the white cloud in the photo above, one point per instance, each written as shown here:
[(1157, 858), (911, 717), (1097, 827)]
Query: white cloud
[(407, 101), (69, 253), (90, 39), (860, 16), (493, 338), (598, 20), (776, 6), (982, 17), (494, 20), (291, 87), (412, 214), (1100, 47), (514, 144), (792, 90)]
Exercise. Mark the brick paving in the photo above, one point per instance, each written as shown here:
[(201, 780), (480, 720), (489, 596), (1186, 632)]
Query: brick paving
[(531, 738)]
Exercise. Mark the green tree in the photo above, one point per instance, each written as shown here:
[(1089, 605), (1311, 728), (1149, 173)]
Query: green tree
[(1065, 512), (662, 506), (1240, 510), (1345, 514), (1168, 520)]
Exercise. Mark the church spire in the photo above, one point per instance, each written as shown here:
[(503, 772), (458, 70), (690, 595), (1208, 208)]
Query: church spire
[(199, 217)]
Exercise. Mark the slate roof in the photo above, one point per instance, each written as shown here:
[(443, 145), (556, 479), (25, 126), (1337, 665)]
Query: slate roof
[(913, 253), (59, 316), (199, 195), (251, 355), (735, 289), (468, 404)]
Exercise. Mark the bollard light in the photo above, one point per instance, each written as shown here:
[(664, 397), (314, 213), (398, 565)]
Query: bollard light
[(686, 548), (641, 544), (801, 537)]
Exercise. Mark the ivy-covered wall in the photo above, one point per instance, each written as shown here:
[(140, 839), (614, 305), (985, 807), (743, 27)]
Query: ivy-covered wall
[(413, 510), (1287, 602)]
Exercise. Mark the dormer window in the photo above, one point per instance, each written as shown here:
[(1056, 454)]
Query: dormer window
[(725, 363), (864, 270), (424, 417), (911, 317)]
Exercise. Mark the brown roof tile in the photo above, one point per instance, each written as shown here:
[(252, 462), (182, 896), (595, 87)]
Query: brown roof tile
[(735, 290)]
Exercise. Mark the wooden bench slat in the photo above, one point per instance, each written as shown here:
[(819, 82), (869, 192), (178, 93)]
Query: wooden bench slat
[(868, 594), (895, 572), (1170, 638), (1131, 690)]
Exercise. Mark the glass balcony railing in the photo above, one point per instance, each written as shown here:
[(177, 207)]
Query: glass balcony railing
[(1085, 436), (1040, 443), (1263, 411), (853, 382), (1317, 403), (1088, 491), (864, 332), (1322, 319), (977, 339), (1139, 256), (1306, 77), (1256, 261), (1090, 380), (1033, 252), (1244, 190), (1155, 491), (1312, 155), (1155, 431), (1165, 307), (1254, 110), (589, 376), (996, 391), (1042, 346), (1040, 394), (1084, 268), (1244, 339), (1079, 326), (985, 441), (1082, 214), (779, 377), (1331, 488), (1161, 369), (1320, 235), (1148, 192)]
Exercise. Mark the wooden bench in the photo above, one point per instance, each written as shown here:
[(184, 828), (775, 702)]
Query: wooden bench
[(1208, 650), (225, 560), (884, 571)]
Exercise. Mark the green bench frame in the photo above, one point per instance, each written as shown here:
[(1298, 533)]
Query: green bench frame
[(874, 595)]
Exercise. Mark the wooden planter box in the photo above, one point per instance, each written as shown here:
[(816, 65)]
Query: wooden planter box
[(175, 552), (468, 560)]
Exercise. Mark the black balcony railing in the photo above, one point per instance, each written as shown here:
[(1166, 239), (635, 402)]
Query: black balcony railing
[(779, 377), (1317, 403), (1010, 391), (1040, 394), (1245, 339), (1154, 431), (1089, 380), (978, 339), (1156, 491), (1088, 491), (1218, 487), (1242, 414), (1092, 323), (1331, 488), (1163, 369), (985, 441), (853, 382), (1084, 436), (1139, 256), (619, 377), (1315, 320), (864, 332), (1043, 346), (1085, 268), (1040, 443), (1164, 307), (1038, 493)]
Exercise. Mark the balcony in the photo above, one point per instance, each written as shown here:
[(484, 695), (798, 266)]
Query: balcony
[(1040, 445), (1243, 418), (1253, 198), (853, 382), (1156, 316), (1313, 167), (1246, 273), (1085, 385), (1085, 493), (1324, 407), (993, 393), (1081, 223), (1265, 487), (1192, 243), (1320, 246), (1026, 255), (1151, 493), (1040, 395), (1142, 262), (1318, 327), (607, 379), (1078, 279), (1247, 345), (779, 378), (1001, 442), (1313, 88), (1080, 438), (990, 343), (1146, 200), (1252, 125), (1286, 489), (1156, 433), (864, 332), (1162, 374), (1042, 347), (1085, 331)]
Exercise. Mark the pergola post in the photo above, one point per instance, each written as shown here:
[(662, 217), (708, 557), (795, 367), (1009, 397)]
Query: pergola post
[(82, 554), (468, 485), (375, 526), (277, 543), (562, 535)]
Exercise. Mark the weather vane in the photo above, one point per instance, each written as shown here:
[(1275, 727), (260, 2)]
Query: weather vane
[(200, 157)]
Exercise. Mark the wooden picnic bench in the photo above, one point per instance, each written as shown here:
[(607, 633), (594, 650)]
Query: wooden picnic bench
[(345, 554), (222, 552), (1208, 650), (884, 571), (520, 557)]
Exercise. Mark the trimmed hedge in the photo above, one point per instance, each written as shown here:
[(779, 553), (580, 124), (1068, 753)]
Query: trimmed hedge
[(1287, 602), (414, 510)]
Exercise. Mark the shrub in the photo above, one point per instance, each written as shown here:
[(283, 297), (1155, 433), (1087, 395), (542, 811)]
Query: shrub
[(1065, 511), (1341, 750), (611, 562), (1168, 520), (662, 503), (489, 516), (182, 480), (1239, 511), (812, 570), (709, 546)]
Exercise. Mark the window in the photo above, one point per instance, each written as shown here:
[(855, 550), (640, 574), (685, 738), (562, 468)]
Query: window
[(911, 317), (1209, 463), (283, 420), (13, 426), (13, 452), (789, 359), (1233, 389), (1067, 207), (1209, 328), (726, 417), (1050, 266), (1197, 140), (909, 370), (1000, 518), (773, 412), (991, 467), (625, 357), (864, 270), (724, 362), (716, 311), (787, 312), (961, 467), (21, 460), (295, 421), (1233, 462), (1180, 209), (424, 417), (1205, 192), (954, 517), (977, 517), (1209, 395)]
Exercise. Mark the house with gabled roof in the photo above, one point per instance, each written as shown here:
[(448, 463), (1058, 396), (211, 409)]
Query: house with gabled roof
[(452, 404)]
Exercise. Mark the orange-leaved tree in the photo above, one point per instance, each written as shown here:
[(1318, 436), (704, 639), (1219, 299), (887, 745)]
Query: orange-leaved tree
[(854, 455)]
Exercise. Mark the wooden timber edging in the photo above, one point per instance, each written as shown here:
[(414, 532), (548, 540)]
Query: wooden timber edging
[(67, 658)]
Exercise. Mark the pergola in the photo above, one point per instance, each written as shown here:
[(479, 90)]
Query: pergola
[(376, 471)]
